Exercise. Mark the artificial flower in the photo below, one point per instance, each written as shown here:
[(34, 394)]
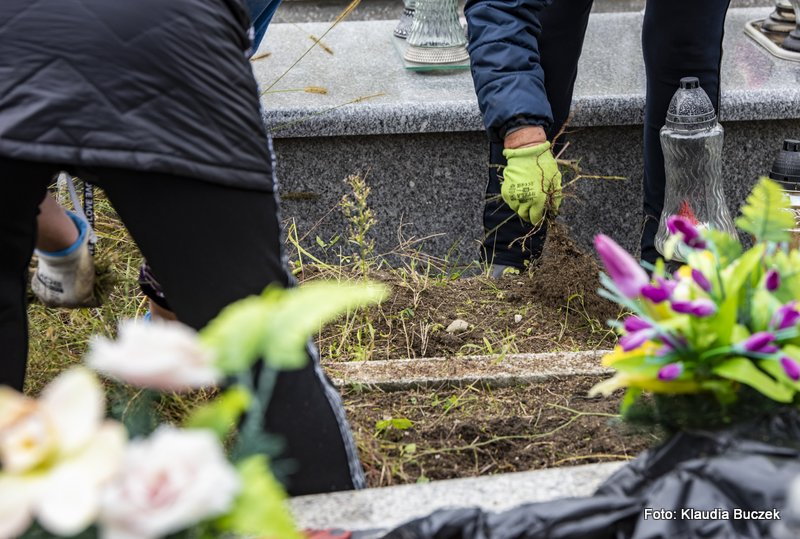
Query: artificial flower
[(670, 372), (701, 280), (786, 316), (660, 291), (677, 224), (160, 355), (623, 269), (700, 308), (759, 343), (56, 452), (772, 280), (168, 482), (791, 368)]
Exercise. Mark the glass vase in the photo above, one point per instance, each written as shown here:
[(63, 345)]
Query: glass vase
[(436, 35), (406, 19)]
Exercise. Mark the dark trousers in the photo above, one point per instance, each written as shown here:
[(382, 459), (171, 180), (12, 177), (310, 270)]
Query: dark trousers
[(680, 38), (210, 245)]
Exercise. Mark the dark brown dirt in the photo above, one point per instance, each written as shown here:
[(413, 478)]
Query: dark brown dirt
[(473, 431), (557, 301), (565, 270)]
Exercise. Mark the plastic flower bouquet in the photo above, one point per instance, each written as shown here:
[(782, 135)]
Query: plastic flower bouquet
[(718, 335), (67, 471)]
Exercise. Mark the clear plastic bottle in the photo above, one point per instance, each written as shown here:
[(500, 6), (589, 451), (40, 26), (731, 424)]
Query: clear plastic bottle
[(692, 144)]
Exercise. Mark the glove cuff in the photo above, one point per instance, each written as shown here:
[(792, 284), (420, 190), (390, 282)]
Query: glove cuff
[(530, 151)]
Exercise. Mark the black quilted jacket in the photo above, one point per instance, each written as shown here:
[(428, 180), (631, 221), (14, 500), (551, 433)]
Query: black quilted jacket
[(151, 85)]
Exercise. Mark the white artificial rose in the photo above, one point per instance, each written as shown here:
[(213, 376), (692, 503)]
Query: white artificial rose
[(168, 482), (159, 355), (56, 453)]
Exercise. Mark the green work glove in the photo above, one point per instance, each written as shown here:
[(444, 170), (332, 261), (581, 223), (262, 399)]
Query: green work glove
[(531, 181)]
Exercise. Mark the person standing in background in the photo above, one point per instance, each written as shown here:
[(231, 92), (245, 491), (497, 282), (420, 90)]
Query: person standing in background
[(524, 56)]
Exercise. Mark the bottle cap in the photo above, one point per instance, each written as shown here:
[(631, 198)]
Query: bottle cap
[(786, 167), (689, 83), (690, 109)]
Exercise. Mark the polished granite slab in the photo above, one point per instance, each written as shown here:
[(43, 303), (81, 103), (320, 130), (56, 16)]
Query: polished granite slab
[(386, 508), (369, 92)]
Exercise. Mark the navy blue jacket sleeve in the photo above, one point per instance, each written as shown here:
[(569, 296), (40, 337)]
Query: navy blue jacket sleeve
[(504, 52)]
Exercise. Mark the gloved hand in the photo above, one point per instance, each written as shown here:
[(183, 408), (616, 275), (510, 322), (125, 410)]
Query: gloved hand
[(531, 181)]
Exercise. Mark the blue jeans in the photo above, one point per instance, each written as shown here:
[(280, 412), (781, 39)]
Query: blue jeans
[(261, 12)]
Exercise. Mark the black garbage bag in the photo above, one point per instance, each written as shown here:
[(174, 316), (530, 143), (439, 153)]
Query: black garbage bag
[(726, 483)]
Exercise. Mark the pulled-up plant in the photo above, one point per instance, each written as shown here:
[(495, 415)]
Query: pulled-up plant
[(66, 470), (725, 321)]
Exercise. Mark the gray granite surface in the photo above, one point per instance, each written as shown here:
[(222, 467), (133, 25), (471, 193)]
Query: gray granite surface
[(327, 10), (493, 371), (431, 185), (388, 507), (609, 90)]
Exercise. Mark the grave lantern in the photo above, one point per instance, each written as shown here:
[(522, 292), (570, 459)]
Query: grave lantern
[(792, 41), (436, 35), (406, 19)]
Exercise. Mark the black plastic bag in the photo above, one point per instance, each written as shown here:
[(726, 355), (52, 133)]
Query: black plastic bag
[(738, 470)]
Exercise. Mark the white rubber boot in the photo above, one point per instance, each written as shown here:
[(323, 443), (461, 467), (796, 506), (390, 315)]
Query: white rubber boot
[(66, 278)]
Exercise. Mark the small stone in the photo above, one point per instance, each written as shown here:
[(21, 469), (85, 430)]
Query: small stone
[(517, 318), (457, 326)]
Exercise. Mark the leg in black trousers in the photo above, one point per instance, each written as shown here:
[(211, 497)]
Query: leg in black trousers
[(24, 186), (680, 38), (211, 245), (563, 29)]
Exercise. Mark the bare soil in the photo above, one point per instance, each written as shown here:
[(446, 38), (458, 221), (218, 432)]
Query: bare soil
[(552, 307), (475, 431)]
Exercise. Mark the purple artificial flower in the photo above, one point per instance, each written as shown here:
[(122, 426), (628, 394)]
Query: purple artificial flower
[(683, 307), (634, 323), (638, 332), (791, 368), (786, 316), (700, 308), (632, 341), (772, 280), (661, 291), (760, 343), (670, 371), (703, 307), (623, 269), (701, 280), (677, 224)]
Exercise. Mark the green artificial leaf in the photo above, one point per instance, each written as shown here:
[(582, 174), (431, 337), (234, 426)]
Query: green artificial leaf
[(739, 333), (237, 334), (775, 369), (744, 371), (726, 247), (221, 414), (297, 313), (734, 278), (260, 509), (766, 214), (788, 265), (134, 408), (737, 274), (762, 306), (632, 394)]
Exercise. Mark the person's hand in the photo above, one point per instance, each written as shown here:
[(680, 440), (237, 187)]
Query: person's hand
[(531, 181)]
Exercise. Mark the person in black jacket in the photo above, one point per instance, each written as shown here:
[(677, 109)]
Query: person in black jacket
[(155, 102), (64, 275), (524, 56)]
